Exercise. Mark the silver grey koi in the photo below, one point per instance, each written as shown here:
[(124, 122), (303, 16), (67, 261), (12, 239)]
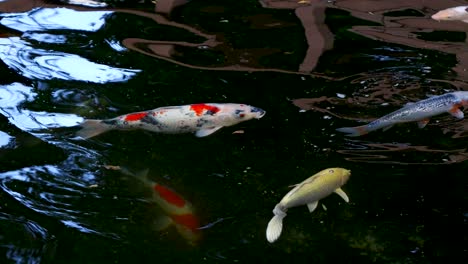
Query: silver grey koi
[(420, 112)]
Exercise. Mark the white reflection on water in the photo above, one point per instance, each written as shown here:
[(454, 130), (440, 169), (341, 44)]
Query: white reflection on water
[(5, 139), (78, 226), (45, 37), (55, 18), (11, 96), (25, 240), (46, 64)]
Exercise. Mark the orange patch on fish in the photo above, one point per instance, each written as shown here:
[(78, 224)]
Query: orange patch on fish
[(198, 108), (134, 116), (187, 220), (170, 196)]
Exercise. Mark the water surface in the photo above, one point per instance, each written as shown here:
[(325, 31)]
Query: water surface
[(313, 66)]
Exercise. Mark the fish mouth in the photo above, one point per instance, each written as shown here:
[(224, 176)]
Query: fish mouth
[(260, 112)]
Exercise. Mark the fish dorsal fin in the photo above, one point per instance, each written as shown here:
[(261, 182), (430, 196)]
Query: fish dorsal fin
[(312, 206), (324, 207), (207, 131), (456, 112), (423, 123), (342, 194), (387, 128)]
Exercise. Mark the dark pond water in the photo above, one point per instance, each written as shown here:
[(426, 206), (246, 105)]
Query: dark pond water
[(313, 66)]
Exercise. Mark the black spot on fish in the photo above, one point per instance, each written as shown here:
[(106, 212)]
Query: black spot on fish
[(210, 112), (201, 122), (148, 119), (111, 122), (185, 128)]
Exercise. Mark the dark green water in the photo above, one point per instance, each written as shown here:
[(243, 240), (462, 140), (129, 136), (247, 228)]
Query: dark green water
[(62, 63)]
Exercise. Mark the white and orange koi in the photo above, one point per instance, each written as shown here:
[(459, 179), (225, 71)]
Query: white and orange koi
[(459, 13), (420, 112), (203, 119), (177, 211)]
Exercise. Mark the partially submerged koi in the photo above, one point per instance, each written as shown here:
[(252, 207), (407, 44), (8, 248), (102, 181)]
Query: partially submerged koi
[(459, 13), (203, 119), (178, 211), (420, 112), (308, 192)]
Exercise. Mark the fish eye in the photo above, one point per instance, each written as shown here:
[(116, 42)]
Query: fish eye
[(331, 171)]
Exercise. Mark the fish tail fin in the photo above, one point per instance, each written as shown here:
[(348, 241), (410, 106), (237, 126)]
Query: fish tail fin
[(354, 131), (275, 226), (91, 128)]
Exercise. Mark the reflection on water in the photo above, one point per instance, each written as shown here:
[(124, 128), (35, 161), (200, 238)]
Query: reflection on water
[(11, 96), (347, 61), (42, 19), (5, 139), (23, 239), (42, 64)]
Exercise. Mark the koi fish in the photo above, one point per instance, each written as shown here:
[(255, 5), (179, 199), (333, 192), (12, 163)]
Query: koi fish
[(203, 119), (454, 13), (308, 192), (178, 211), (420, 112)]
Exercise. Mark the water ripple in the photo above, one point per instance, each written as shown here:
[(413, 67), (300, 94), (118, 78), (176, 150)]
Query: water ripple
[(55, 18), (25, 240), (5, 139), (45, 64), (55, 191), (11, 96)]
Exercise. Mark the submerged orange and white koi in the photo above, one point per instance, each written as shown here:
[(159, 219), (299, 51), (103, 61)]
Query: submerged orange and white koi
[(459, 13), (420, 112), (203, 119), (177, 210)]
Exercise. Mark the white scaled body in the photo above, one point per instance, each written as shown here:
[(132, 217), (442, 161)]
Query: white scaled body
[(203, 119)]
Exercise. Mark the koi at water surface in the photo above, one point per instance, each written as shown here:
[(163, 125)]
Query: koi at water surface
[(203, 119), (420, 112)]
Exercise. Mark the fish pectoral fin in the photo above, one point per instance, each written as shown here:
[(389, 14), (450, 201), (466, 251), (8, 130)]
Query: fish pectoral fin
[(162, 222), (387, 128), (423, 123), (342, 194), (207, 131), (324, 207), (456, 112), (312, 206)]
